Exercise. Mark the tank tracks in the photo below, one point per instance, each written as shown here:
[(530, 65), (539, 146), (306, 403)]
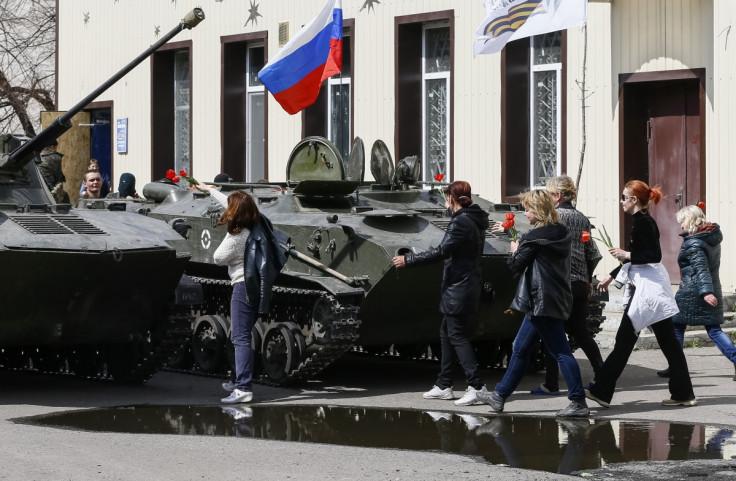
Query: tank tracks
[(133, 362), (304, 332)]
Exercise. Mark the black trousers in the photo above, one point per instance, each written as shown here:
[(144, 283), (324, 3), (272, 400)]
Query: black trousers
[(456, 347), (680, 384), (577, 328)]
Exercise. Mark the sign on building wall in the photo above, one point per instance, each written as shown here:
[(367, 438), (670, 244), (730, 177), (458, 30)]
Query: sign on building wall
[(121, 135)]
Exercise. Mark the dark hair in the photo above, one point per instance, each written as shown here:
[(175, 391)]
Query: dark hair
[(91, 172), (460, 191), (643, 193), (241, 212)]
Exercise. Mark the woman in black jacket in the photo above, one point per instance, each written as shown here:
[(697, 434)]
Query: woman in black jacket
[(700, 298), (542, 256), (460, 249), (643, 249)]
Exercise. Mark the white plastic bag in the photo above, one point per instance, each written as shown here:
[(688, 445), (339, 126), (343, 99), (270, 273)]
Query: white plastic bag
[(653, 299)]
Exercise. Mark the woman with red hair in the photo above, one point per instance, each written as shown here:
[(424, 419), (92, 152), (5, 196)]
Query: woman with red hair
[(643, 249)]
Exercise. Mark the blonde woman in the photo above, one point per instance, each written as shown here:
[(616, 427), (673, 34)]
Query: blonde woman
[(542, 257), (699, 297)]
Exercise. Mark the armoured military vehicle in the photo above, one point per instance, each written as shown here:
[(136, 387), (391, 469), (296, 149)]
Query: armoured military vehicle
[(89, 290), (339, 288)]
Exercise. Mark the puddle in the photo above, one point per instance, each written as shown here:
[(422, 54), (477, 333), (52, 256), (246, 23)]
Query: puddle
[(545, 444)]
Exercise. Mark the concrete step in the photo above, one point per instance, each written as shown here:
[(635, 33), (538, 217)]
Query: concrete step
[(695, 336)]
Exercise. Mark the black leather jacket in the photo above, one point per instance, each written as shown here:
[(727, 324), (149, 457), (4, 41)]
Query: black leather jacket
[(265, 255), (461, 249), (543, 258)]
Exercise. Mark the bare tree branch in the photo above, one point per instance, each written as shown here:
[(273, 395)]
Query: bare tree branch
[(583, 96), (27, 51)]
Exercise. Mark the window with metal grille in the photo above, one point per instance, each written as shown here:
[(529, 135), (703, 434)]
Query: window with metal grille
[(545, 100)]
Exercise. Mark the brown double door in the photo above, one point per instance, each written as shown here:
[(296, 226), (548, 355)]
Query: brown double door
[(661, 136)]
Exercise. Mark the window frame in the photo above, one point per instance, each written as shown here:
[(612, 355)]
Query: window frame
[(516, 117), (407, 28)]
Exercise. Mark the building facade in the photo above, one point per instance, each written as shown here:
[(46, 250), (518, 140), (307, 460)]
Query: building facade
[(644, 91)]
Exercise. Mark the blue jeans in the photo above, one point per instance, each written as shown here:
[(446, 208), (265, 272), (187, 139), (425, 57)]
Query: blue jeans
[(716, 334), (552, 333), (243, 315)]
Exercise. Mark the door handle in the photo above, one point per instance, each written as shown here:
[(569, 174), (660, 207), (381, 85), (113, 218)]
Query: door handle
[(678, 197)]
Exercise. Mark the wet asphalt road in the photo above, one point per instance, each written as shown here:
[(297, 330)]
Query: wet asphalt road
[(31, 452)]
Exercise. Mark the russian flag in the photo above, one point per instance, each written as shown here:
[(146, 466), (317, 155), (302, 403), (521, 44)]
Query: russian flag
[(295, 75)]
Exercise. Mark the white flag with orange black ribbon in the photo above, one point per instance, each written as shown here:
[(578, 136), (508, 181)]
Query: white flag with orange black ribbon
[(508, 20)]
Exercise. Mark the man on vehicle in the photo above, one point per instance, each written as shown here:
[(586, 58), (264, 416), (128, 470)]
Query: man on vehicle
[(92, 184)]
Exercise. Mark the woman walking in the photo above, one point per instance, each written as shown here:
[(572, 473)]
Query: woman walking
[(643, 248), (460, 249), (584, 258), (699, 297), (542, 256), (253, 260)]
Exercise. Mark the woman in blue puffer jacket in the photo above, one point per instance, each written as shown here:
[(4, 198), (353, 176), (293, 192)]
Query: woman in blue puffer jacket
[(699, 297)]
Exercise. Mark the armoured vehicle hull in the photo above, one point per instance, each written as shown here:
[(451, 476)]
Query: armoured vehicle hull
[(94, 290)]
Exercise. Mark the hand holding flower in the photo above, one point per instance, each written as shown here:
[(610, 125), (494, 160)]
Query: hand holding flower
[(203, 187), (620, 254)]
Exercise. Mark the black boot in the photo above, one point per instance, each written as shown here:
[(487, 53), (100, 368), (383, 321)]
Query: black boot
[(666, 373)]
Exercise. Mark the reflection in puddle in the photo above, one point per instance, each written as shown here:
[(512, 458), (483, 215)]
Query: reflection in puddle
[(546, 444)]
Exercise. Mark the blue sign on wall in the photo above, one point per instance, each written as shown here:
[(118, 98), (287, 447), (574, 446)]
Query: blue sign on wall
[(121, 135)]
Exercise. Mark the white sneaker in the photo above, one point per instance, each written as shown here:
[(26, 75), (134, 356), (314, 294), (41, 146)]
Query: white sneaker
[(437, 393), (436, 416), (228, 386), (238, 413), (237, 396), (473, 422), (470, 397)]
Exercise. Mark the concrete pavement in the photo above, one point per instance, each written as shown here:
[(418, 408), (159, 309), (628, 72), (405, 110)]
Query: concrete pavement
[(30, 452)]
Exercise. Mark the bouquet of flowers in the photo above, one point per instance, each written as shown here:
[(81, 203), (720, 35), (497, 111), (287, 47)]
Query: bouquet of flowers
[(508, 225), (171, 175)]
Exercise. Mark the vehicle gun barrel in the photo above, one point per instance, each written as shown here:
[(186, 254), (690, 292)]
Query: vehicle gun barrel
[(23, 154), (351, 281)]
